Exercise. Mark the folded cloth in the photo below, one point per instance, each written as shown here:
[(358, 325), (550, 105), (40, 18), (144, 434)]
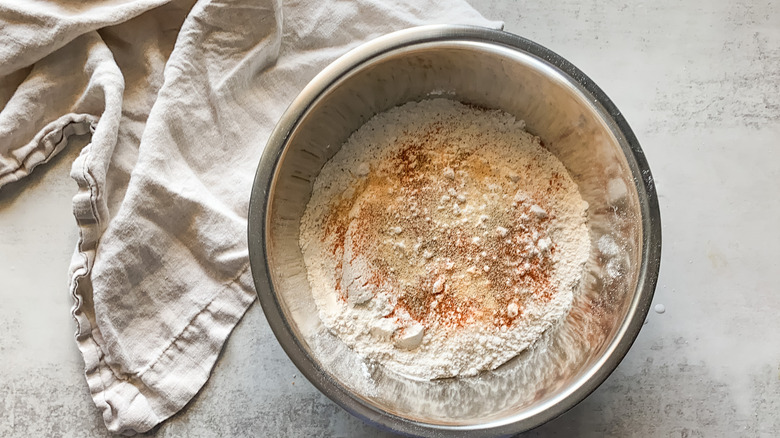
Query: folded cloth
[(179, 98)]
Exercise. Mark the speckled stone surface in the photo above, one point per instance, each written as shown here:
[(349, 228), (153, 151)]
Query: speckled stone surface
[(698, 81)]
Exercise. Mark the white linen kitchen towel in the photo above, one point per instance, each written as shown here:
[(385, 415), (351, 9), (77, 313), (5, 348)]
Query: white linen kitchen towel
[(179, 98)]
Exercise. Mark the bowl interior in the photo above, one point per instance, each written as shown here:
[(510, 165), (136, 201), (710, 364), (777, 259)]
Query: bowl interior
[(573, 126)]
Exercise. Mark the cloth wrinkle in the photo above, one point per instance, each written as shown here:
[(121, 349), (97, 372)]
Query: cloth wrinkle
[(54, 146), (177, 338)]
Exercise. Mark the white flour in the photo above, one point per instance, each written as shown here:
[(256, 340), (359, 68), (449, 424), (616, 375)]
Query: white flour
[(443, 240)]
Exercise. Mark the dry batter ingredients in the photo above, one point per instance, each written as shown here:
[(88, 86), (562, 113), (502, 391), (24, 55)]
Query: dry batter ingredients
[(443, 239)]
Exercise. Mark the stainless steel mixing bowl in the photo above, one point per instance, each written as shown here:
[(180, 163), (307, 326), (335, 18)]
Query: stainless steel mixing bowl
[(575, 120)]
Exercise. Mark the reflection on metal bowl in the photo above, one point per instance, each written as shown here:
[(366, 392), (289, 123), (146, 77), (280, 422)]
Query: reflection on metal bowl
[(576, 122)]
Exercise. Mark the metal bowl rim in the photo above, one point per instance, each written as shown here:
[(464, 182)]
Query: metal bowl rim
[(257, 229)]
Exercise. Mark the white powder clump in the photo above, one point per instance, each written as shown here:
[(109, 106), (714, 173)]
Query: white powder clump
[(442, 240)]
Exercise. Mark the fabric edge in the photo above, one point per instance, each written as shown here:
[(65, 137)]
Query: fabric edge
[(136, 404), (194, 353), (50, 141)]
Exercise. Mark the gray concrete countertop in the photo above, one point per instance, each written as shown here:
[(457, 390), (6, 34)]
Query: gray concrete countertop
[(698, 81)]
